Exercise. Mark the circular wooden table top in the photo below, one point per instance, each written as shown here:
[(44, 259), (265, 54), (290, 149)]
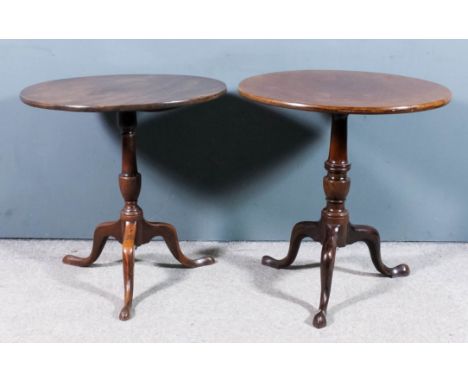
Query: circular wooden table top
[(345, 92), (122, 92)]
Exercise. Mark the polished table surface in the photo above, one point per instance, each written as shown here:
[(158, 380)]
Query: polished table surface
[(345, 92), (122, 92)]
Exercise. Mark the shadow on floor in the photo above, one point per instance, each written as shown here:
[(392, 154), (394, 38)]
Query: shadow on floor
[(175, 273), (264, 278), (336, 268)]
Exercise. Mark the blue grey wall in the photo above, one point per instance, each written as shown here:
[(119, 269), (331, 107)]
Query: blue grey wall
[(230, 169)]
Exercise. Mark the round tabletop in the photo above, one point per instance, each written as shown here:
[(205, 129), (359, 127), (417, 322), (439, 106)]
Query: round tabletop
[(122, 92), (345, 92)]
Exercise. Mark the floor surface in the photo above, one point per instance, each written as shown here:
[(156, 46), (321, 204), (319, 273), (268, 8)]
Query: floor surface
[(235, 300)]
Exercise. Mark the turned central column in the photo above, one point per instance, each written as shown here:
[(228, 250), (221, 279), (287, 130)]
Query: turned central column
[(336, 183), (129, 179)]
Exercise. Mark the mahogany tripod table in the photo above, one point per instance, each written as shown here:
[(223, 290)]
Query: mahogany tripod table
[(125, 95), (340, 93)]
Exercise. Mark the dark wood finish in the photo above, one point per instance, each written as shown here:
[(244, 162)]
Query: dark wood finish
[(340, 93), (132, 230), (334, 230), (127, 94), (122, 92), (345, 92)]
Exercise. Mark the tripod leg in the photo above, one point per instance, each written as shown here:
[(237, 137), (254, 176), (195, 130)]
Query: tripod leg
[(299, 232), (169, 234), (101, 234), (370, 236), (327, 263), (128, 255)]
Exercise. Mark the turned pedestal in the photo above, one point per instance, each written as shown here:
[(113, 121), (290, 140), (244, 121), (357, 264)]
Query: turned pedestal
[(334, 230), (132, 230)]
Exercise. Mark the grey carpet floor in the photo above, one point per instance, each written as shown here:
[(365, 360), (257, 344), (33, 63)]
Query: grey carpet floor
[(235, 300)]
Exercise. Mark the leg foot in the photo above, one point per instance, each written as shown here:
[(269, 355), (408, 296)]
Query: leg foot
[(370, 236), (320, 320), (169, 234), (299, 232), (128, 255), (327, 263), (124, 314), (101, 234)]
